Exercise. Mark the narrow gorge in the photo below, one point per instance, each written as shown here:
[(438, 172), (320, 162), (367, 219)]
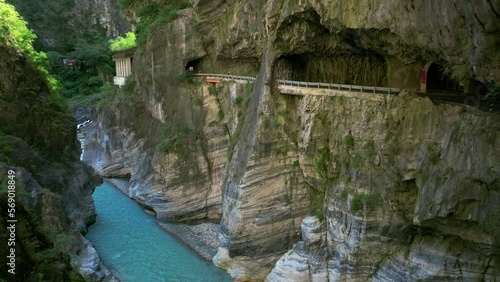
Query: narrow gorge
[(391, 187), (329, 140)]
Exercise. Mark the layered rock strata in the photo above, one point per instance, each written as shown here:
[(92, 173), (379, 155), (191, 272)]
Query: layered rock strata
[(402, 188)]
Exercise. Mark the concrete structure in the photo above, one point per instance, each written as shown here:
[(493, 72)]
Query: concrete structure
[(373, 93), (123, 64), (302, 91), (405, 76)]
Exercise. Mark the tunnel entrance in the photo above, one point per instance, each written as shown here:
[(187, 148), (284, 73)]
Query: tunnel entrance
[(438, 80), (194, 65), (356, 69)]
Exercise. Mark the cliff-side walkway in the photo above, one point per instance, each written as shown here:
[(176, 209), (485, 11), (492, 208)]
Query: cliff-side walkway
[(302, 88)]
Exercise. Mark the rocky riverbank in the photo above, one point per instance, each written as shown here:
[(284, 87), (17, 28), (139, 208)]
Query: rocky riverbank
[(203, 238), (398, 182)]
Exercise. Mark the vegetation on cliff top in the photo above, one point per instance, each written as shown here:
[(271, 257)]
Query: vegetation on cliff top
[(123, 42), (83, 69), (31, 107), (78, 73), (78, 54), (60, 23), (15, 33), (153, 15)]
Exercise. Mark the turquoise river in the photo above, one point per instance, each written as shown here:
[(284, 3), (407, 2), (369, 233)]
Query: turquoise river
[(131, 243)]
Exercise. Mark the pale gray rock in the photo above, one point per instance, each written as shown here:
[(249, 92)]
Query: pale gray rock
[(90, 266), (311, 230), (391, 176)]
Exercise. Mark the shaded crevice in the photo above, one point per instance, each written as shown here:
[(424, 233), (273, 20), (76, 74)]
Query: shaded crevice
[(239, 160), (479, 21), (194, 65), (438, 80), (497, 14)]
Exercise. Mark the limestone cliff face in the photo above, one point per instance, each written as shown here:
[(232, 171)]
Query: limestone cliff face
[(402, 188), (406, 195), (176, 167)]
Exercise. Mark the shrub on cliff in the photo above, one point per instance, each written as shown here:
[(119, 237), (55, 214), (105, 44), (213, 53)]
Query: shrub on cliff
[(153, 16), (369, 201)]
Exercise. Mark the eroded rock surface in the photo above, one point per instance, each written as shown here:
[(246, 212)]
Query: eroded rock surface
[(402, 188)]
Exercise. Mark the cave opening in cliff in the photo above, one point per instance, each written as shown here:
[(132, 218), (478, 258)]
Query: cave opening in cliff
[(311, 51), (365, 68), (439, 80), (194, 65)]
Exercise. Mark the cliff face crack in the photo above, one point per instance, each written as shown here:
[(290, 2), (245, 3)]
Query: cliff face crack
[(497, 14), (488, 265), (242, 153), (479, 21)]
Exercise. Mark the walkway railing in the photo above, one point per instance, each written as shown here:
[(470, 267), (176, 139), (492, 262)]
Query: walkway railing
[(485, 106), (341, 87), (334, 86), (226, 76)]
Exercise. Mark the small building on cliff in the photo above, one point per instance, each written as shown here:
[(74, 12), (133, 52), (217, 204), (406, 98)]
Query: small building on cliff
[(123, 64)]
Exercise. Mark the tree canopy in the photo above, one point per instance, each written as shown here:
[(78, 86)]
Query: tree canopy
[(122, 42), (14, 32)]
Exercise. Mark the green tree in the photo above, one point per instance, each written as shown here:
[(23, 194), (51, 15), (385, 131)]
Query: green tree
[(92, 67), (14, 32), (122, 42)]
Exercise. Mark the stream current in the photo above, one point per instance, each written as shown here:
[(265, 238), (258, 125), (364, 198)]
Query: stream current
[(131, 244)]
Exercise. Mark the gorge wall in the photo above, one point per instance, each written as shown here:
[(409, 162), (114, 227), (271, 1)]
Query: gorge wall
[(61, 23), (391, 187), (53, 189)]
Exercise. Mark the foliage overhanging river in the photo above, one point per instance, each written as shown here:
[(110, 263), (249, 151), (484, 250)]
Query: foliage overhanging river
[(131, 243)]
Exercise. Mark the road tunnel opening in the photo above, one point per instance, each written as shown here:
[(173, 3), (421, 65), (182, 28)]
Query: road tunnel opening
[(356, 69), (311, 51), (439, 80), (194, 65)]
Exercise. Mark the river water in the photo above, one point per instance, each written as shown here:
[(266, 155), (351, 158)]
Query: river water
[(131, 243)]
